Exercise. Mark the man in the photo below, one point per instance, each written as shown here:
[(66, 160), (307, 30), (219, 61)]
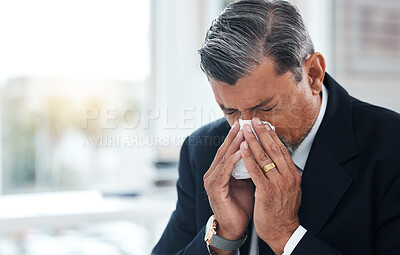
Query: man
[(326, 182)]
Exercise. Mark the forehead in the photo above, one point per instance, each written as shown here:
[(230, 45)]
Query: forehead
[(261, 84)]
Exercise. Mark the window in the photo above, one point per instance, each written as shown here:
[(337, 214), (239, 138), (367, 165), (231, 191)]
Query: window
[(367, 49), (73, 75)]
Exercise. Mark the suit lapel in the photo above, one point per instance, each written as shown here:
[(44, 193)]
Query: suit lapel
[(324, 182)]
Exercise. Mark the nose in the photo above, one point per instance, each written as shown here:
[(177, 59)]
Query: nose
[(246, 115)]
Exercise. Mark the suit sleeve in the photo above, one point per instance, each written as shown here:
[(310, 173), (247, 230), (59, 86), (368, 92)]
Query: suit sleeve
[(386, 232), (387, 235), (180, 235), (311, 244)]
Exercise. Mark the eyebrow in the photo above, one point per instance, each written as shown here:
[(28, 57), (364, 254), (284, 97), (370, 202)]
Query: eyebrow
[(263, 103)]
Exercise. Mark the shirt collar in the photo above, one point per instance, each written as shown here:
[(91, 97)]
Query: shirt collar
[(300, 155)]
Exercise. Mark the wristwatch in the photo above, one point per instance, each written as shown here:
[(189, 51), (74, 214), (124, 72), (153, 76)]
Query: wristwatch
[(212, 239)]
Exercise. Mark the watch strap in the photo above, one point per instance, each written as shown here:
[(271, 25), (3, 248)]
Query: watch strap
[(227, 245), (213, 239)]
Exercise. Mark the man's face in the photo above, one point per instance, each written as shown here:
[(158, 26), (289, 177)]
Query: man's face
[(290, 106)]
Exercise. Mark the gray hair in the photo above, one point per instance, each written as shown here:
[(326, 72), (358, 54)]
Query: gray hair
[(246, 32)]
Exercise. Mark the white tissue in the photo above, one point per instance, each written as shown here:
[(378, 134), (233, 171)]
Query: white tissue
[(240, 171)]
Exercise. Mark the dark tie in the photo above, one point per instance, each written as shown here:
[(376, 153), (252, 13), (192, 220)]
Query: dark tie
[(246, 246), (263, 248)]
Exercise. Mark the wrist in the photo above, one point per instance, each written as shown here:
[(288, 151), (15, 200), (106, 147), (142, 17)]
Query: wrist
[(216, 251), (218, 243), (229, 235), (278, 241)]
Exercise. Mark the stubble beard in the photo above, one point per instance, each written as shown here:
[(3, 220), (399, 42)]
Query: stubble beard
[(291, 146)]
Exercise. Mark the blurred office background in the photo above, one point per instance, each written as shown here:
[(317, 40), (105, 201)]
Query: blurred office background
[(98, 95)]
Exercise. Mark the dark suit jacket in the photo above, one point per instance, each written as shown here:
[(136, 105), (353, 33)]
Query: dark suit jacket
[(350, 186)]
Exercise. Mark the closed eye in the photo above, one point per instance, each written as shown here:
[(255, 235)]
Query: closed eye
[(230, 112), (268, 109)]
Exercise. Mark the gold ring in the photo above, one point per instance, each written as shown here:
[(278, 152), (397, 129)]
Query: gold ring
[(268, 167)]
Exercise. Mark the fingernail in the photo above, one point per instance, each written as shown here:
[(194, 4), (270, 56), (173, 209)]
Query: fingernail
[(257, 120), (268, 127), (234, 125), (245, 145), (248, 128), (237, 153)]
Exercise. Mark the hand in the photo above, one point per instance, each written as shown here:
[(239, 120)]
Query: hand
[(278, 192), (231, 200)]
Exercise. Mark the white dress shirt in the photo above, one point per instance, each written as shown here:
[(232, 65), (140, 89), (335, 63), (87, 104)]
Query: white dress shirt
[(299, 157)]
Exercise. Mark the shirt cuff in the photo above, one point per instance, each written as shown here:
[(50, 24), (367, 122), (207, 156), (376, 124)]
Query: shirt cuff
[(294, 240)]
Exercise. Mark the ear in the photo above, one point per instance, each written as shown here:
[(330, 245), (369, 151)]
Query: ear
[(315, 69)]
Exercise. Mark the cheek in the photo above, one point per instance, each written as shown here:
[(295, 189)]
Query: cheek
[(283, 118), (294, 115)]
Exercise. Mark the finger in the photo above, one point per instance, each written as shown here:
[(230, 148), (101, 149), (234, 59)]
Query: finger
[(272, 148), (226, 171), (223, 148), (234, 147), (251, 165), (212, 176), (260, 155), (227, 142), (286, 155), (257, 150)]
